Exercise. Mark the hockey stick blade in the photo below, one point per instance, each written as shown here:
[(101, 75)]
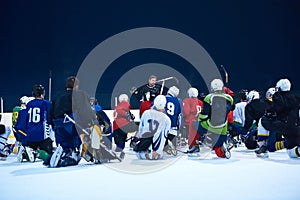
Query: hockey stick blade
[(168, 78), (226, 74)]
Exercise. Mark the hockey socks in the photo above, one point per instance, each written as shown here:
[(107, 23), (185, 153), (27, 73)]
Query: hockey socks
[(277, 146)]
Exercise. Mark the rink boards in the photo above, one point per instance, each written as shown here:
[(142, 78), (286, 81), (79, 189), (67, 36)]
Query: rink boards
[(7, 120)]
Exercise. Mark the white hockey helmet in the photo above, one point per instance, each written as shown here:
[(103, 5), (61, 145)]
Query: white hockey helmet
[(24, 99), (174, 91), (123, 97), (253, 94), (29, 99), (270, 92), (192, 92), (216, 85), (284, 85), (160, 102)]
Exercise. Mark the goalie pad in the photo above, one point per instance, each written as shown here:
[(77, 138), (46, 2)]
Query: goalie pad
[(95, 137), (95, 147)]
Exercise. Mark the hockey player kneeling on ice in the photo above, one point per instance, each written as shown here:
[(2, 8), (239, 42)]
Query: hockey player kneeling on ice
[(123, 123), (213, 118), (32, 128), (173, 111), (285, 106), (75, 103), (268, 141), (4, 147), (153, 131)]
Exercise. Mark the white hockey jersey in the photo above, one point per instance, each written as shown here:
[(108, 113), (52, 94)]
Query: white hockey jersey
[(239, 113), (156, 124)]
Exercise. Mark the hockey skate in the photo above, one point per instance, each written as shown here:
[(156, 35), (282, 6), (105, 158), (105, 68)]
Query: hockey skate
[(69, 157), (20, 154), (170, 148), (29, 152), (3, 155), (226, 150), (56, 156), (5, 152), (193, 151), (262, 152), (143, 155), (233, 141)]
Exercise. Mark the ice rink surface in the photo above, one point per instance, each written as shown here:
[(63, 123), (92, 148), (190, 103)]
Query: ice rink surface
[(244, 176)]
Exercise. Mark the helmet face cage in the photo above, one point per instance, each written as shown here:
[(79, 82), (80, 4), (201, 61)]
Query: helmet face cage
[(270, 93)]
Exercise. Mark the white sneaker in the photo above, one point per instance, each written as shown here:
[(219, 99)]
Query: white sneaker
[(20, 154), (56, 156), (29, 152)]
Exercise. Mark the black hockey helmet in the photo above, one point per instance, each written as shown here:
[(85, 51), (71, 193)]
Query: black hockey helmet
[(202, 95), (243, 94), (38, 90)]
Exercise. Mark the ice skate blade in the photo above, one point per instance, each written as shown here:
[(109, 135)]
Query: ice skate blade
[(263, 155)]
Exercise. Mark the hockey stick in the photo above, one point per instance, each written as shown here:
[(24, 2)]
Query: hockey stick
[(179, 150), (226, 74), (169, 78), (87, 133), (163, 82), (162, 87)]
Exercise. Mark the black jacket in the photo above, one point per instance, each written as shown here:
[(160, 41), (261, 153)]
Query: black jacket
[(286, 106), (80, 106), (254, 111)]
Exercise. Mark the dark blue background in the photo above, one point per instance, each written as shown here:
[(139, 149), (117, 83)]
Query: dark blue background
[(258, 41)]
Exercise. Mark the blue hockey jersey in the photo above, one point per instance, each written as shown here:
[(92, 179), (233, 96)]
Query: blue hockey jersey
[(173, 110), (38, 127)]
